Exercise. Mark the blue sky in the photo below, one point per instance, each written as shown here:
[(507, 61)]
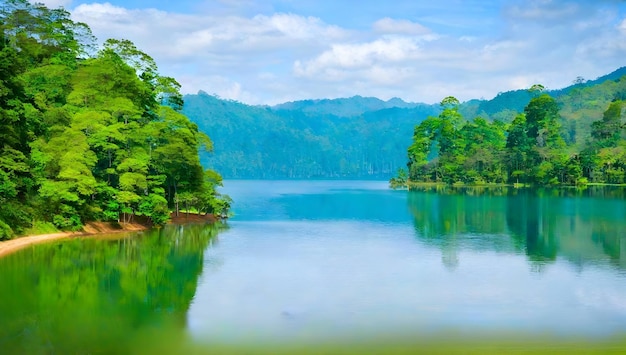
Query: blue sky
[(266, 52)]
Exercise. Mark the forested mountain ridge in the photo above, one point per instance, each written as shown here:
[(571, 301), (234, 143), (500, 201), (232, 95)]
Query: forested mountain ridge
[(90, 134), (346, 107), (266, 142), (361, 137)]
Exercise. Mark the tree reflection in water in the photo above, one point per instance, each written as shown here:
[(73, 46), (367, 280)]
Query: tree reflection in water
[(582, 226), (100, 295)]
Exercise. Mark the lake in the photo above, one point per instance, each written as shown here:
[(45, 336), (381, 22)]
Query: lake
[(305, 262)]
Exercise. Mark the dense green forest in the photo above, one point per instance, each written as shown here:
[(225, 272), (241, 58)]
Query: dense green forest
[(362, 137), (307, 139), (549, 143), (89, 134)]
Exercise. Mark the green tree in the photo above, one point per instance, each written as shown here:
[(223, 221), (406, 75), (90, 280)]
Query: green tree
[(535, 147), (608, 131), (88, 135), (603, 158), (400, 180), (484, 148)]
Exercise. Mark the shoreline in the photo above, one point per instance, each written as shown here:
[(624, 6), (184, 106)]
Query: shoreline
[(411, 185), (11, 246), (96, 228)]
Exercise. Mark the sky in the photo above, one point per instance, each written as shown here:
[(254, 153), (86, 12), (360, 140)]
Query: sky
[(274, 51)]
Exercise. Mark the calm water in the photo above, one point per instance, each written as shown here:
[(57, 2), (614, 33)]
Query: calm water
[(311, 260), (333, 260)]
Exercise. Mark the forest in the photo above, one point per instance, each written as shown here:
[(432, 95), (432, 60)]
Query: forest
[(547, 144), (342, 138), (90, 132), (364, 137)]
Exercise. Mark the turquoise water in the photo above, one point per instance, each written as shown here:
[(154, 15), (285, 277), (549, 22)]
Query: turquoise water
[(353, 259), (324, 261)]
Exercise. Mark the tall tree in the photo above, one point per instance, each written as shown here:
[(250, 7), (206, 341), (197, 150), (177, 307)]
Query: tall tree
[(88, 135)]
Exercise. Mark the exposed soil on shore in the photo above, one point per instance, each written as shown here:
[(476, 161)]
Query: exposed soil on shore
[(97, 228), (183, 218)]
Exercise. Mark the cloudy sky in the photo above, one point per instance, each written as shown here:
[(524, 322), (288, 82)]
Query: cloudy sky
[(267, 52)]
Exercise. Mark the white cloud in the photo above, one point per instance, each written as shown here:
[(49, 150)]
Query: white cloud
[(383, 51), (274, 57), (392, 26), (622, 26), (197, 49), (178, 35)]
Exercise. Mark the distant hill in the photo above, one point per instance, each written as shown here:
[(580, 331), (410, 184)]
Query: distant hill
[(301, 140), (507, 104), (509, 100), (613, 76), (345, 107), (360, 137)]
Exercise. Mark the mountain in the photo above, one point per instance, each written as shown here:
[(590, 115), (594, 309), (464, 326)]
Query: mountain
[(507, 104), (344, 107), (302, 140), (613, 76), (361, 137)]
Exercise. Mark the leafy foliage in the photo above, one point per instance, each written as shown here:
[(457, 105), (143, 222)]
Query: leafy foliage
[(88, 135), (532, 149)]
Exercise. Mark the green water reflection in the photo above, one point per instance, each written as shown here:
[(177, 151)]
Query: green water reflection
[(100, 295), (582, 226)]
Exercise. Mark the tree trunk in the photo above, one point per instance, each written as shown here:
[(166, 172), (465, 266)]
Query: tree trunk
[(176, 198)]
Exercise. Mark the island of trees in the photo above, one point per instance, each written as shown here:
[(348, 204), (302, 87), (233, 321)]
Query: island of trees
[(89, 134), (533, 149)]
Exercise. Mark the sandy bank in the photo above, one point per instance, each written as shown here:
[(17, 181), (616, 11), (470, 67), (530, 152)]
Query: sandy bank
[(96, 228), (93, 228)]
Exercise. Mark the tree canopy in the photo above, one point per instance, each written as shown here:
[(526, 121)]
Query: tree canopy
[(89, 134), (532, 149)]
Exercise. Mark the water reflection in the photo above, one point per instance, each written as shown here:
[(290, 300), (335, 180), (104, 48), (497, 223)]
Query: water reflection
[(582, 226), (99, 295)]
